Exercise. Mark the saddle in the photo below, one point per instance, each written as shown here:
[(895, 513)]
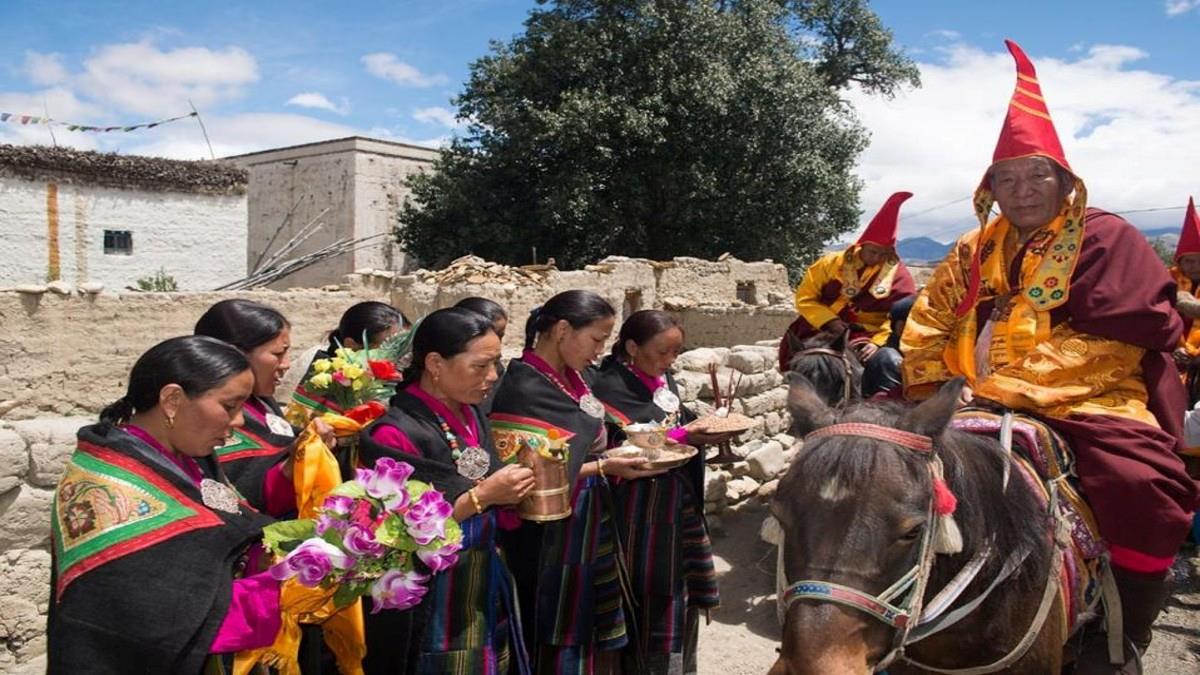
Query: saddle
[(1044, 460)]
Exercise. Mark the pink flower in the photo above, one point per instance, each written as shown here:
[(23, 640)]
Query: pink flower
[(426, 518), (440, 559), (312, 561), (387, 482), (360, 515), (341, 379), (338, 505), (326, 522), (361, 542), (398, 590)]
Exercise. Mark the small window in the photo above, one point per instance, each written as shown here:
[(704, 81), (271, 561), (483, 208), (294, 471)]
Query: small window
[(118, 242), (747, 293)]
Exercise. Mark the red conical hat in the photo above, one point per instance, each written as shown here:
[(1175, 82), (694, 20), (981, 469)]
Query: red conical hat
[(1028, 131), (1189, 238), (882, 228)]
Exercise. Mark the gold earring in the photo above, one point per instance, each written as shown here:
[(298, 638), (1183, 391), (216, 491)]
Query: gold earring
[(170, 421)]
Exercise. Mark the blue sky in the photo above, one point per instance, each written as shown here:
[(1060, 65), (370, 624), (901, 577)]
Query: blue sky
[(1122, 79)]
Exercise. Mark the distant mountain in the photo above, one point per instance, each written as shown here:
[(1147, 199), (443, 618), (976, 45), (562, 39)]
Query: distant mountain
[(921, 249)]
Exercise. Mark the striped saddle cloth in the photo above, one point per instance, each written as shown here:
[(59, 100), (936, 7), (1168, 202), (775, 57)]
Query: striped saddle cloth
[(1042, 458)]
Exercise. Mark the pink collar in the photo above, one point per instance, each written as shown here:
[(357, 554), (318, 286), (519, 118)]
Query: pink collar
[(573, 386), (652, 384), (469, 432), (188, 464)]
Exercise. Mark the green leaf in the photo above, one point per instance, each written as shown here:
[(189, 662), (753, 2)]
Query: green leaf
[(344, 595), (350, 489), (285, 535)]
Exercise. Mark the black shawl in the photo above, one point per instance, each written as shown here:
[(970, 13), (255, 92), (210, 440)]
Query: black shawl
[(527, 395), (253, 451), (143, 570)]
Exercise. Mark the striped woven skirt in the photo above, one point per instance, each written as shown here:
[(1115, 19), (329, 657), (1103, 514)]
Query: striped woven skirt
[(471, 618), (568, 575), (669, 557)]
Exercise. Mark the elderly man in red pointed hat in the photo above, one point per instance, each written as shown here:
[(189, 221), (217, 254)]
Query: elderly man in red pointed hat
[(854, 290), (1186, 273), (1066, 313)]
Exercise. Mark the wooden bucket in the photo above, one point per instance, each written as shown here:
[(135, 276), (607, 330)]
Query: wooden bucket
[(550, 498)]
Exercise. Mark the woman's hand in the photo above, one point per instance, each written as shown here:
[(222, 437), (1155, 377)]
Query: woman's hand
[(325, 432), (630, 468), (507, 486)]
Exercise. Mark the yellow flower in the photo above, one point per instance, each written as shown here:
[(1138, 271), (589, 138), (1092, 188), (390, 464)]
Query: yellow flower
[(357, 385), (322, 365), (321, 380), (338, 363), (352, 371), (343, 353)]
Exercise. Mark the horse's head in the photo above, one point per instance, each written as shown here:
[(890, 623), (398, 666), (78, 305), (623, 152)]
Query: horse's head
[(832, 369), (854, 512)]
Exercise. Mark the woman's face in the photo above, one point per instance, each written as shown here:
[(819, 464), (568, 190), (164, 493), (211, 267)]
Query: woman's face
[(204, 422), (1190, 265), (580, 347), (466, 377), (270, 361), (655, 356)]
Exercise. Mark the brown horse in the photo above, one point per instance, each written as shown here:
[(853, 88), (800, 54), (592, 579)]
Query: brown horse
[(827, 362), (861, 534)]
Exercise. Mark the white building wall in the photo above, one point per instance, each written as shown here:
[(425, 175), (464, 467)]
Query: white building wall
[(199, 239)]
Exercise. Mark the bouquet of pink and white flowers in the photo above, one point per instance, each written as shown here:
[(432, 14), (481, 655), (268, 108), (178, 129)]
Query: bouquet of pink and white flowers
[(367, 538)]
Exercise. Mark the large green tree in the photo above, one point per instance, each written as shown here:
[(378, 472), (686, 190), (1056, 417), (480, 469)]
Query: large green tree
[(655, 128)]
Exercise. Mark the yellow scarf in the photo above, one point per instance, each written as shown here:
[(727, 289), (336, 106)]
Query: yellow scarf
[(1022, 316), (853, 278), (314, 473)]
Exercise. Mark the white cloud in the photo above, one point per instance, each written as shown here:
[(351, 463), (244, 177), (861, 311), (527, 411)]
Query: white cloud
[(388, 67), (237, 134), (312, 99), (142, 79), (1177, 7), (945, 34), (1129, 133), (44, 69), (436, 115)]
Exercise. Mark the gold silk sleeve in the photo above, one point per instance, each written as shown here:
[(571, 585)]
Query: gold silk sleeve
[(1069, 369), (808, 293), (931, 325), (881, 336)]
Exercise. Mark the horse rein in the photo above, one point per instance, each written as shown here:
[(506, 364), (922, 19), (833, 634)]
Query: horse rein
[(847, 370), (907, 615)]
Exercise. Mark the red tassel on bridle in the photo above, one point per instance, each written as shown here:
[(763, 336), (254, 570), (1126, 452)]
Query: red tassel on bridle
[(944, 501)]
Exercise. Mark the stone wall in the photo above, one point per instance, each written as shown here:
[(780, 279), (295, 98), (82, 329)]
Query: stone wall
[(721, 303), (55, 231), (69, 354)]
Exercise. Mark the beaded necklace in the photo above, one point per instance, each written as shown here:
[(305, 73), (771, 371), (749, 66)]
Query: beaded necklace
[(471, 463)]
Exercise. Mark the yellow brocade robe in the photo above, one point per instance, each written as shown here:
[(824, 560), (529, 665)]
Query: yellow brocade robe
[(1050, 370), (836, 286)]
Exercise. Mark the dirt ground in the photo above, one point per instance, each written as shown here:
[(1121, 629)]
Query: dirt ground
[(744, 632)]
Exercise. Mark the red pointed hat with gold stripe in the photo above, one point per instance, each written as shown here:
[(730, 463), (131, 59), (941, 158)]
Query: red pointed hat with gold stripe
[(1028, 131), (1189, 238), (882, 229)]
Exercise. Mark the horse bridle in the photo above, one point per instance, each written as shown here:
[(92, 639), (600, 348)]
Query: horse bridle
[(847, 370), (911, 585), (905, 616)]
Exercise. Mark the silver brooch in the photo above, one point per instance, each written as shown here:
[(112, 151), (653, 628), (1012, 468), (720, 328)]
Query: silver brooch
[(218, 496)]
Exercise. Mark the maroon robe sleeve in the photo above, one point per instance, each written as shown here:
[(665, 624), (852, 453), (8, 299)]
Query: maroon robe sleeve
[(1121, 290)]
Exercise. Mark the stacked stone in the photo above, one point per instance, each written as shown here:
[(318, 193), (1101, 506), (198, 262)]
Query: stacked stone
[(766, 450), (33, 454)]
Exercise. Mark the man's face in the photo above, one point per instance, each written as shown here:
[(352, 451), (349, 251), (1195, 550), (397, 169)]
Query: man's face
[(1190, 265), (873, 254), (1029, 191)]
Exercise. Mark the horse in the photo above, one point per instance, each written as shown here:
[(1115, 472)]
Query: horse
[(827, 362), (872, 533)]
